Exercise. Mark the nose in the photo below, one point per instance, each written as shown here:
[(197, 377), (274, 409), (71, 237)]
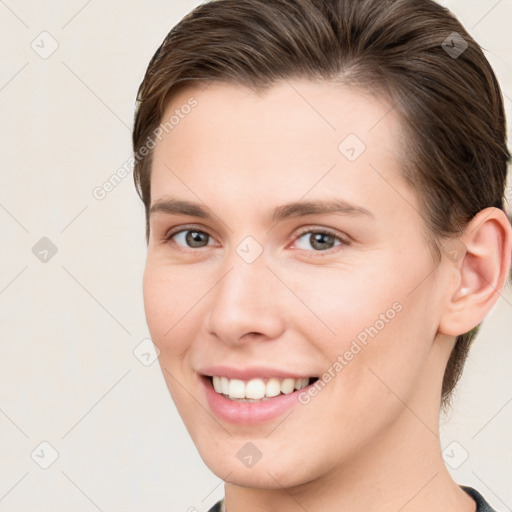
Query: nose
[(246, 303)]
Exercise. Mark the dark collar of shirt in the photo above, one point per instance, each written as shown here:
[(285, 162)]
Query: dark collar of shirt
[(481, 504)]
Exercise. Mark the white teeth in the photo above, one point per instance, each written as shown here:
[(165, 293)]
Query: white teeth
[(273, 387), (224, 384), (216, 384), (236, 388), (287, 386), (257, 389)]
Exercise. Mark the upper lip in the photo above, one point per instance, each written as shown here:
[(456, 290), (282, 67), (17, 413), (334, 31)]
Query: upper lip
[(249, 373)]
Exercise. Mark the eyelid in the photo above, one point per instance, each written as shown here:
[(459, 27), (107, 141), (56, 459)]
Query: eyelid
[(343, 239), (179, 229), (321, 229)]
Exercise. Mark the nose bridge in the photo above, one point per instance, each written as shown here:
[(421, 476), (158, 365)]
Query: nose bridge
[(243, 301), (244, 285), (247, 274)]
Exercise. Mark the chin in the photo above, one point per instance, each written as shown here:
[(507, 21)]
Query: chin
[(259, 477), (227, 462)]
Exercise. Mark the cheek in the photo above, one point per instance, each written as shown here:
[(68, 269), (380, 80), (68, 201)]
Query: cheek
[(166, 303), (169, 311), (374, 322), (347, 302), (157, 302)]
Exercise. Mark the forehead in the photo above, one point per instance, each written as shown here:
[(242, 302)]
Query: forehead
[(295, 137), (314, 109)]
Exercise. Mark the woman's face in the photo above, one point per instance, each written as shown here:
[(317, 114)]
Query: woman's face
[(251, 288)]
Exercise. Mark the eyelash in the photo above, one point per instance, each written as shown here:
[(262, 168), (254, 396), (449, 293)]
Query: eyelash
[(325, 231)]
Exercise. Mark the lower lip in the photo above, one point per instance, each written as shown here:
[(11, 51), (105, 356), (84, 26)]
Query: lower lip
[(249, 413)]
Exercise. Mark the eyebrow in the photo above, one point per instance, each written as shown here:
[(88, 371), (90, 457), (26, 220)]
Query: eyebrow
[(173, 206)]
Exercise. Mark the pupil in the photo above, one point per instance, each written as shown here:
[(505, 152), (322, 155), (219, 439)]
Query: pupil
[(194, 238), (321, 239)]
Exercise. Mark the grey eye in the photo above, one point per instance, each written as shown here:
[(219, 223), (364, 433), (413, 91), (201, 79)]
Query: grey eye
[(192, 238), (319, 240)]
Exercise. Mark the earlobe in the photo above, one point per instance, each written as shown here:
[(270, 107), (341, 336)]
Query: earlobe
[(481, 271)]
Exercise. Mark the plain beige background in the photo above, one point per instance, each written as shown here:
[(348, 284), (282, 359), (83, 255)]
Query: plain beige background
[(72, 373)]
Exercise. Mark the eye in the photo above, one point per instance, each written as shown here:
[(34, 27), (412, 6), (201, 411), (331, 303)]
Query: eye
[(321, 240), (192, 238)]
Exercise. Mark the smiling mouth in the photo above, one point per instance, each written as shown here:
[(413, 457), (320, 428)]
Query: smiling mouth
[(258, 389)]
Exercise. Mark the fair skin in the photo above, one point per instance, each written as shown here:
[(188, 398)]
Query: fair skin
[(369, 441)]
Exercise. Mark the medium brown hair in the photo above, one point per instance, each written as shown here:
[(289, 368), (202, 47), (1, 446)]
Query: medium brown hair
[(414, 52)]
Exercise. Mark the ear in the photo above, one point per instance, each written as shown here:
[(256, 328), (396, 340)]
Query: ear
[(480, 261)]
